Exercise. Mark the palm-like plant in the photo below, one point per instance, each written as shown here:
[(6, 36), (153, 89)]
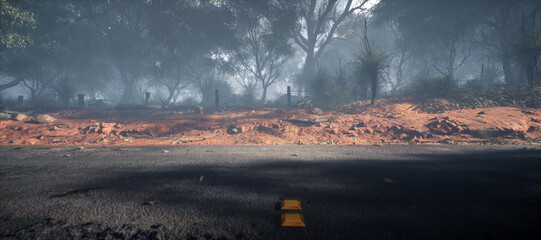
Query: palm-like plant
[(370, 63), (527, 52)]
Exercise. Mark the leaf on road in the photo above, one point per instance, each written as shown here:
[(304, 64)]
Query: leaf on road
[(296, 154), (67, 155), (201, 178), (388, 180)]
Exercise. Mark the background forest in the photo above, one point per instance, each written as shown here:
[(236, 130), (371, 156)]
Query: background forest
[(334, 51)]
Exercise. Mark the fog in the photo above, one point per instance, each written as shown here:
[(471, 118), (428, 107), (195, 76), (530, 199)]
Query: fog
[(334, 52)]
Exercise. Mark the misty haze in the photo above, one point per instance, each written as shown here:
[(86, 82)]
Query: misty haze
[(200, 119)]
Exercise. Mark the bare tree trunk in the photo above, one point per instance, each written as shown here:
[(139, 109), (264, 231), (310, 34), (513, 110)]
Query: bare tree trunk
[(129, 94), (264, 96), (374, 85), (507, 69)]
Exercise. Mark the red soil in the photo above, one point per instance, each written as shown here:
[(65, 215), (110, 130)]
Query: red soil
[(402, 122)]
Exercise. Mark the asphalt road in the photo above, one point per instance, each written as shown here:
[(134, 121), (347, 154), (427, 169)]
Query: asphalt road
[(431, 192)]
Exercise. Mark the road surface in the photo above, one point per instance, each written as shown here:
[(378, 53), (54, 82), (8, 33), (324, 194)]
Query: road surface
[(232, 192)]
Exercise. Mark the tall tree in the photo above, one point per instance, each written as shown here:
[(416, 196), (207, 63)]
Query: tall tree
[(262, 52), (317, 24)]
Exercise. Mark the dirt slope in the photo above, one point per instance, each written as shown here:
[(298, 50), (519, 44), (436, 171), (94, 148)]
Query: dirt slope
[(399, 122)]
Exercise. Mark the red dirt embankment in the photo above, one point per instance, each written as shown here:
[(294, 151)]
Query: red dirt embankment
[(402, 122)]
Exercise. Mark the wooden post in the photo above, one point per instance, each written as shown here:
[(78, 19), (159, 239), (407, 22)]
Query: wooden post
[(20, 99), (81, 98), (147, 98), (216, 99), (288, 96)]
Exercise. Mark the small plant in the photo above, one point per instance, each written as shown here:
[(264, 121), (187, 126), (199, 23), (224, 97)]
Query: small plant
[(370, 63)]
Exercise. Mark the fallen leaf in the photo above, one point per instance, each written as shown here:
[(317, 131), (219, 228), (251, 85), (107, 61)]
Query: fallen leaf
[(165, 151), (67, 155), (388, 180), (296, 154), (201, 178)]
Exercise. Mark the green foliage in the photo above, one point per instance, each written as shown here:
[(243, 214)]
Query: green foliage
[(527, 52), (15, 26), (328, 91), (370, 65), (371, 62)]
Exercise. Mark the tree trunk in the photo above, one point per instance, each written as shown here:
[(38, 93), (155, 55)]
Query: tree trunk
[(264, 96), (129, 94), (507, 69), (374, 85), (531, 71), (307, 72)]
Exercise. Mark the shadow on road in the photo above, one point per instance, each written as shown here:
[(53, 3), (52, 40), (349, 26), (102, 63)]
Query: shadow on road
[(474, 195)]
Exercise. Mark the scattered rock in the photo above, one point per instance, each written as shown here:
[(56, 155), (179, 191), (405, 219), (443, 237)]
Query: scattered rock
[(317, 111), (5, 116), (481, 113), (280, 111), (18, 116), (306, 102), (234, 130), (40, 137), (446, 126), (106, 128), (369, 130), (361, 124), (44, 118)]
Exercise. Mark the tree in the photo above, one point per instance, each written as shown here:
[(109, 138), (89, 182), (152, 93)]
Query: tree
[(527, 52), (187, 41), (440, 31), (16, 27), (370, 63), (262, 53), (317, 24)]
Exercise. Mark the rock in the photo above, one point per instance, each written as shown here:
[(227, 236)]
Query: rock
[(280, 111), (353, 128), (5, 116), (199, 110), (18, 116), (44, 118), (317, 111), (420, 133), (234, 130), (40, 137), (106, 128), (369, 130), (331, 130), (361, 124), (396, 129), (306, 102)]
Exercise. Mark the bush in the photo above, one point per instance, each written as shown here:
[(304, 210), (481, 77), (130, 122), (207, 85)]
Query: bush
[(328, 91), (432, 87)]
